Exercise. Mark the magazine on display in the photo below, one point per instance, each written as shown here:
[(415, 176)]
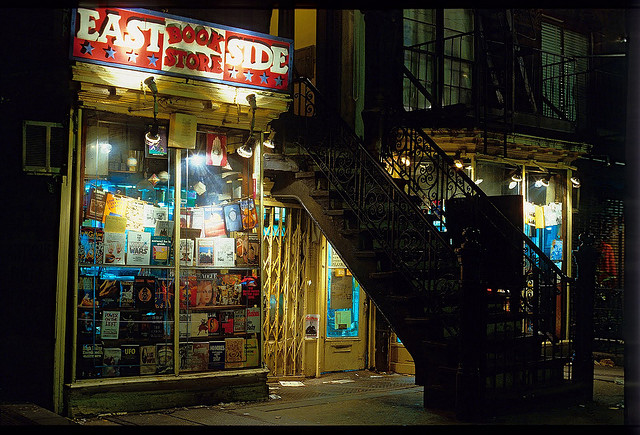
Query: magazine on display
[(224, 249), (114, 246), (138, 248)]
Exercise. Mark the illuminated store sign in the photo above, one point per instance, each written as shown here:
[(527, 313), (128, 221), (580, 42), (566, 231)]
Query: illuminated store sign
[(150, 41)]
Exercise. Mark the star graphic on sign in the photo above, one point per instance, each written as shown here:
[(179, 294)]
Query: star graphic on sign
[(109, 52), (152, 59), (248, 76), (133, 57), (87, 47), (278, 81), (233, 73), (264, 78)]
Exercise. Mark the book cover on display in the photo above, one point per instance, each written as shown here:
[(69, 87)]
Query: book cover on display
[(115, 224), (144, 288), (148, 359), (232, 217), (199, 325), (135, 214), (239, 320), (184, 325), (224, 249), (247, 249), (85, 292), (129, 325), (216, 355), (213, 221), (249, 214), (197, 218), (186, 353), (138, 248), (157, 326), (114, 244), (186, 252), (86, 325), (226, 322), (164, 228), (160, 250), (204, 251), (250, 290), (110, 326), (206, 289), (91, 246), (90, 364), (188, 291), (234, 352), (253, 320), (164, 358), (213, 324), (127, 296), (108, 293), (164, 294), (111, 362), (251, 349), (116, 205), (200, 356), (95, 208), (228, 289), (130, 360)]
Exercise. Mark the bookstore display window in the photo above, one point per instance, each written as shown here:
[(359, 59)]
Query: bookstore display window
[(128, 311), (343, 298)]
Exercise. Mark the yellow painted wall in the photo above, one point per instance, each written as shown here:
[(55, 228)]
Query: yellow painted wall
[(305, 27)]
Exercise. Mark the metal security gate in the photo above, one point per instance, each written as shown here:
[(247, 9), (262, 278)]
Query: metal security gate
[(289, 249)]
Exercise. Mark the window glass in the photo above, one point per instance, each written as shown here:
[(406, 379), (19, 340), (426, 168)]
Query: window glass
[(544, 212), (343, 298)]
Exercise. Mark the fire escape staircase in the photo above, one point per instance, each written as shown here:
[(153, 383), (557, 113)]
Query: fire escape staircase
[(388, 224)]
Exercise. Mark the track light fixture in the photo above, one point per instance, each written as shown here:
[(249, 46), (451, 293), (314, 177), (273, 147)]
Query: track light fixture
[(516, 175), (152, 137), (269, 141), (575, 181), (246, 150)]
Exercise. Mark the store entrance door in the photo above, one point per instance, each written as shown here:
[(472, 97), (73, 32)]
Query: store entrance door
[(345, 344)]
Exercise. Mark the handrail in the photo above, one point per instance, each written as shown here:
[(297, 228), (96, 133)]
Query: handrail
[(410, 240)]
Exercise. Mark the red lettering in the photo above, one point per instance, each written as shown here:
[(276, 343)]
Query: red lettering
[(192, 61), (214, 43), (188, 34), (216, 64), (202, 37), (175, 34), (203, 61), (170, 59)]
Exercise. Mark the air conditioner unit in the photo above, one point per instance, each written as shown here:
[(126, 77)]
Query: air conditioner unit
[(43, 146)]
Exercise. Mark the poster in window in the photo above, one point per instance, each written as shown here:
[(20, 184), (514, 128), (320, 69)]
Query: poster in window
[(341, 290)]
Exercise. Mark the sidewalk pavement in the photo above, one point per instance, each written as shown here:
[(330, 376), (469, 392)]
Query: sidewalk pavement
[(358, 398)]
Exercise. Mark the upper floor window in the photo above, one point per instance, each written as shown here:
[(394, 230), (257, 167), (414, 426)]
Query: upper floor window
[(564, 66), (427, 49)]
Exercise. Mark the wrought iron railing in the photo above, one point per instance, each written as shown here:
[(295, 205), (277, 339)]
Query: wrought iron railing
[(398, 226)]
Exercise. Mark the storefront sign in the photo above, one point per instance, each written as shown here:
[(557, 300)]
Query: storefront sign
[(146, 40)]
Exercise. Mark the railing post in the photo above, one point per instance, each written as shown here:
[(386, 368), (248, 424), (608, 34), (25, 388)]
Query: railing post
[(586, 259), (472, 333)]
